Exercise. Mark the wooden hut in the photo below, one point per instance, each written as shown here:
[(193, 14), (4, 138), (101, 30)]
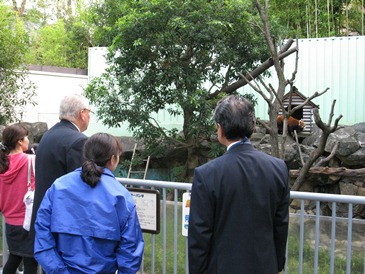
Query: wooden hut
[(305, 113)]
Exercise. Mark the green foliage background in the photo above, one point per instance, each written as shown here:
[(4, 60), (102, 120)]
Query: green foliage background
[(15, 88)]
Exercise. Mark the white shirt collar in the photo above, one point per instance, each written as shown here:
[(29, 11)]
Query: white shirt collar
[(75, 126), (231, 144)]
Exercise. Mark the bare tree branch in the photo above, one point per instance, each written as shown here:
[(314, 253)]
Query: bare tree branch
[(253, 74), (298, 145), (266, 126), (326, 131), (315, 95), (255, 87), (279, 101), (329, 157), (269, 89), (287, 46), (291, 81)]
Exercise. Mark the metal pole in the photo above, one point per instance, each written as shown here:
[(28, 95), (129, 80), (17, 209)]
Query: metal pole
[(175, 229), (316, 251), (5, 244), (301, 237), (349, 240), (333, 238)]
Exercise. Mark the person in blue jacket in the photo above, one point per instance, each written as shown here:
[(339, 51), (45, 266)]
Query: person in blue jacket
[(87, 221)]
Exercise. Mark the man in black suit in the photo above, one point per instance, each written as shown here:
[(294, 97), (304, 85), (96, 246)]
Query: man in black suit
[(60, 149), (239, 209)]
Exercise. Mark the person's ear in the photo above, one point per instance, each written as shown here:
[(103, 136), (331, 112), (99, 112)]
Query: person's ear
[(115, 159), (220, 131), (82, 115)]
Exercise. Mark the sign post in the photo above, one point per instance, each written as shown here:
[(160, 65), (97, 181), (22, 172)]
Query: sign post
[(185, 213)]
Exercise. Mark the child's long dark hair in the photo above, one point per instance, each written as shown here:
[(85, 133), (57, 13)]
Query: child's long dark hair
[(98, 150), (11, 135)]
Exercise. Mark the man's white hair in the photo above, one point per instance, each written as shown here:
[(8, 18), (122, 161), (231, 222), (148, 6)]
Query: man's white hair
[(71, 105)]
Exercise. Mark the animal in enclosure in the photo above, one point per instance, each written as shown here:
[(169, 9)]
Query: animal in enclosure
[(292, 124)]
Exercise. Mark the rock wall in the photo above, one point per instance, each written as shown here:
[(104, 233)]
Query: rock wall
[(350, 154), (36, 131)]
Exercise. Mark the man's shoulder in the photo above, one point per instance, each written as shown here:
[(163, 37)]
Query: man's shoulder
[(269, 160), (214, 163), (268, 156), (227, 158), (63, 130), (63, 125)]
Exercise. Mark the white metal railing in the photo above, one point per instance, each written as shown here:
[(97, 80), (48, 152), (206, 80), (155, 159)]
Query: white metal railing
[(165, 256), (305, 219), (350, 200)]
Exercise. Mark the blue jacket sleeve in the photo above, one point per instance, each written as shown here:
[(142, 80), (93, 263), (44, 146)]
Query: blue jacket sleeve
[(45, 251), (131, 246)]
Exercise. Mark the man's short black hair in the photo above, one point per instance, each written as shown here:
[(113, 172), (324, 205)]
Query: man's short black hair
[(236, 116)]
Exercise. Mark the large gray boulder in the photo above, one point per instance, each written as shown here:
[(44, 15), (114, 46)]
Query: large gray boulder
[(351, 144), (36, 131)]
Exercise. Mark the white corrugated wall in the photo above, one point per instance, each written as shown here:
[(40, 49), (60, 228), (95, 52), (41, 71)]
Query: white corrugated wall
[(337, 63)]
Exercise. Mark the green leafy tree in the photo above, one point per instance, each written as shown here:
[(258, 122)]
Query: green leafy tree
[(15, 88), (176, 56), (314, 18), (103, 15), (60, 33), (63, 44), (52, 44), (356, 12)]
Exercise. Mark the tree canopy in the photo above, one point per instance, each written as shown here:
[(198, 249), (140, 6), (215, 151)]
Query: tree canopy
[(172, 55), (62, 31), (62, 41), (15, 88)]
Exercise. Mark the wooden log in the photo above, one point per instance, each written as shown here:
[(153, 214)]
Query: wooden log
[(336, 171)]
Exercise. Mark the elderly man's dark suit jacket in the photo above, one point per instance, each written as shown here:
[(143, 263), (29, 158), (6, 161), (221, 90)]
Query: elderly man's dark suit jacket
[(239, 214), (58, 153)]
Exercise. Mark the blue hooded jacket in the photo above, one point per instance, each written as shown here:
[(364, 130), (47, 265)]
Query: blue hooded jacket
[(80, 229)]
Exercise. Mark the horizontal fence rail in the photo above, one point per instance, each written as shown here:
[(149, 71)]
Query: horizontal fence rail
[(166, 252)]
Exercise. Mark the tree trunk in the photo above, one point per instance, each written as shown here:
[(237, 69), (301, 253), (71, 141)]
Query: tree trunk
[(192, 159), (274, 140), (21, 9), (69, 8), (191, 163)]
